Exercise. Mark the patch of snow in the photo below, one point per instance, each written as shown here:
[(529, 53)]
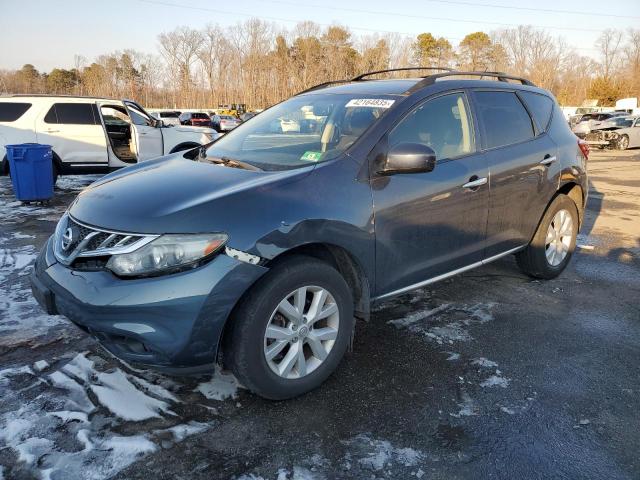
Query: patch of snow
[(484, 363), (467, 406), (80, 367), (67, 416), (302, 473), (13, 371), (221, 386), (77, 399), (32, 449), (1, 472), (453, 356), (446, 323), (22, 319), (128, 447), (418, 316), (14, 429), (122, 398), (495, 381), (57, 433), (507, 410), (180, 432), (40, 365), (157, 390), (83, 437), (76, 182), (377, 454)]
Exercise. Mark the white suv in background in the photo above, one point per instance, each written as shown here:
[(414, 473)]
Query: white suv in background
[(91, 135)]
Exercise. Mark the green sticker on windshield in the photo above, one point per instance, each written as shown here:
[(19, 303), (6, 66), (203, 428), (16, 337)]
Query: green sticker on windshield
[(311, 156)]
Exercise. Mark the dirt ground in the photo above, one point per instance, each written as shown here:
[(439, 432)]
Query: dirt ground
[(486, 375)]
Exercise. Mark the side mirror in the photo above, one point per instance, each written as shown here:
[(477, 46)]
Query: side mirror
[(409, 158)]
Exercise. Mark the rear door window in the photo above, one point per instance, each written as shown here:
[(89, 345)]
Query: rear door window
[(71, 114), (12, 111), (504, 119), (540, 107)]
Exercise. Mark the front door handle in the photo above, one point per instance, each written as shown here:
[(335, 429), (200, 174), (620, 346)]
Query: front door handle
[(475, 182), (52, 131), (548, 160)]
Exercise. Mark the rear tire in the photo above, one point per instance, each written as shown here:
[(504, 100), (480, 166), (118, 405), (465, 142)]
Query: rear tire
[(553, 244), (250, 343)]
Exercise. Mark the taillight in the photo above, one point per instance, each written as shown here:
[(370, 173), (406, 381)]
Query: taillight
[(584, 148)]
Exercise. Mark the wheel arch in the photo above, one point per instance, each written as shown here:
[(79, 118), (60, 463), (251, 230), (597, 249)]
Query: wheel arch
[(572, 190), (343, 261), (575, 193), (338, 257)]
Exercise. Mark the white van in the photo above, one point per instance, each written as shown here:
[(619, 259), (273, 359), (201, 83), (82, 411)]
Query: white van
[(91, 135)]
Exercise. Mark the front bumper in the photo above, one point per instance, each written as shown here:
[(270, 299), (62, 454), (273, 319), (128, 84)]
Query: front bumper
[(172, 321)]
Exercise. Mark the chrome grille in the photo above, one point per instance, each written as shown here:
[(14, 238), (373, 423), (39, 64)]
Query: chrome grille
[(74, 239)]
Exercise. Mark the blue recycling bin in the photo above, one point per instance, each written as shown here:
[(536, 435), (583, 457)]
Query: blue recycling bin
[(31, 168)]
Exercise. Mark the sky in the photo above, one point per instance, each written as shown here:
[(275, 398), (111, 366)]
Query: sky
[(49, 33)]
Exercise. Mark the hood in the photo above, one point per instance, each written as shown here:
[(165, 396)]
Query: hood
[(174, 195)]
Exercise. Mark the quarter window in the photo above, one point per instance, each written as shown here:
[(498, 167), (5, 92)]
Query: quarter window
[(540, 107), (441, 123), (504, 118), (12, 111), (71, 114)]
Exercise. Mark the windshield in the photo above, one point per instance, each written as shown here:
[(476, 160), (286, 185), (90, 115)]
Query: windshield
[(622, 122), (300, 131)]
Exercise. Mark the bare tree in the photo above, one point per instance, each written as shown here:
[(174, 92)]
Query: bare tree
[(259, 63), (609, 45), (180, 49)]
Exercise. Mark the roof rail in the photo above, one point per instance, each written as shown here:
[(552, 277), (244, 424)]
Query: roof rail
[(60, 95), (323, 84), (426, 80), (361, 77), (501, 76), (403, 69)]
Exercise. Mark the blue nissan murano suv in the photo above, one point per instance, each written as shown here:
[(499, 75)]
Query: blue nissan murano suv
[(261, 249)]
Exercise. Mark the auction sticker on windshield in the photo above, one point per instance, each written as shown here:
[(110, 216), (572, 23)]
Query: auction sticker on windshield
[(370, 102), (311, 156)]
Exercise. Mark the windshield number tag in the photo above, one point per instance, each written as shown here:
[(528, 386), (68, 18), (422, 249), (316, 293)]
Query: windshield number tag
[(311, 156), (370, 102)]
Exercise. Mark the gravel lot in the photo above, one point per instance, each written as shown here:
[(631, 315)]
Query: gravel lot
[(487, 375)]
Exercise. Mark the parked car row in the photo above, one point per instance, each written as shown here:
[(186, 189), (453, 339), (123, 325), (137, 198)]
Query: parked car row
[(92, 135), (617, 132), (219, 122)]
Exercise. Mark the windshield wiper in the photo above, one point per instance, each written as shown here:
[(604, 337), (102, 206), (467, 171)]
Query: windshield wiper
[(232, 163)]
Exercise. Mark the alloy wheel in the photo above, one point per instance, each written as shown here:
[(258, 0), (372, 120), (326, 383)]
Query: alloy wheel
[(559, 237), (624, 142), (301, 332)]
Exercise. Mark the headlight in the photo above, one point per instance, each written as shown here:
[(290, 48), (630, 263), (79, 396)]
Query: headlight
[(167, 253)]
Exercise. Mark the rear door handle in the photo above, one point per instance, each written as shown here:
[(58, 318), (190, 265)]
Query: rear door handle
[(475, 183), (548, 160), (52, 131)]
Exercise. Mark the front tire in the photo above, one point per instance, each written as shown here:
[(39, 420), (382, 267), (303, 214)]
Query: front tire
[(553, 244), (291, 330), (623, 143)]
